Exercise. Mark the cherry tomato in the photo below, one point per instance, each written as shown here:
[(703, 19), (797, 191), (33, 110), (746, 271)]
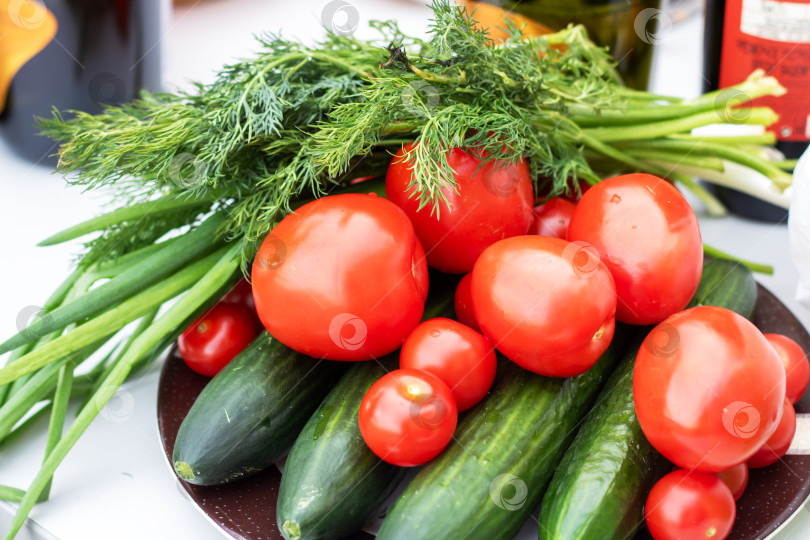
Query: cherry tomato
[(546, 304), (242, 294), (343, 278), (215, 338), (690, 504), (463, 303), (647, 235), (455, 353), (408, 417), (493, 203), (778, 443), (797, 368), (551, 218), (736, 478), (708, 388)]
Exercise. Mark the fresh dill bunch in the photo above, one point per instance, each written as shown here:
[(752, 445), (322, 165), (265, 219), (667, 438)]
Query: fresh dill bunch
[(294, 121)]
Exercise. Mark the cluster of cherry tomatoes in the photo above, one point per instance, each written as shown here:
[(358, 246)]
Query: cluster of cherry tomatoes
[(346, 278)]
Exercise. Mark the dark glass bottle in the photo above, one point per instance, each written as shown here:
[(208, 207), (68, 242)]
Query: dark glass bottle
[(775, 36), (103, 51), (628, 27)]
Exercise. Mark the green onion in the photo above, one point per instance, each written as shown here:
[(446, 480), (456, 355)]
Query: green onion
[(221, 273), (141, 274)]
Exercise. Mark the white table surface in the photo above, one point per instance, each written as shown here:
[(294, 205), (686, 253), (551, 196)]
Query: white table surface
[(115, 483)]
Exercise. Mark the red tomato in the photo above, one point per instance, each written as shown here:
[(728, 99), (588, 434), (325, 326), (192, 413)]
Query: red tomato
[(778, 443), (647, 235), (546, 304), (408, 417), (797, 368), (690, 504), (551, 218), (708, 388), (736, 478), (463, 303), (215, 338), (242, 294), (455, 353), (488, 205), (343, 278)]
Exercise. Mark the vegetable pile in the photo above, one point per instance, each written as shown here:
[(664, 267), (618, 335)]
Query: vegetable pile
[(480, 133)]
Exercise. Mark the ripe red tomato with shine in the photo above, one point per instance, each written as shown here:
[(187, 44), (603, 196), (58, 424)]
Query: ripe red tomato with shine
[(552, 218), (797, 368), (489, 203), (462, 301), (736, 478), (778, 443), (547, 304), (343, 278), (647, 235), (216, 337), (456, 354), (408, 417), (690, 504), (708, 388)]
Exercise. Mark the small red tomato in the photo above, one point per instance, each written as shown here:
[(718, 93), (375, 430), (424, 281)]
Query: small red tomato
[(797, 368), (490, 202), (778, 443), (552, 218), (456, 354), (215, 338), (690, 504), (708, 388), (408, 417), (647, 235), (547, 304), (463, 303), (343, 278), (736, 478), (242, 294)]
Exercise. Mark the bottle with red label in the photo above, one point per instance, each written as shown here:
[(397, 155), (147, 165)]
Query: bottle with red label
[(773, 35)]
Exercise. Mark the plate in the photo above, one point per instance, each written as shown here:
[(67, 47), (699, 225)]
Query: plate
[(247, 508)]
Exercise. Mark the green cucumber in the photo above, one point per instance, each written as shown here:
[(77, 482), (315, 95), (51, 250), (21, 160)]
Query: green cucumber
[(250, 413), (728, 284), (332, 483), (494, 471), (600, 487)]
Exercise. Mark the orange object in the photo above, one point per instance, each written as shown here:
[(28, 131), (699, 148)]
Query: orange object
[(26, 28), (493, 19)]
